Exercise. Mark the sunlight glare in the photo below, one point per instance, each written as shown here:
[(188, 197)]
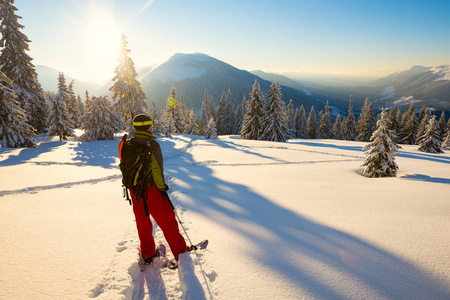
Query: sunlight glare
[(102, 40)]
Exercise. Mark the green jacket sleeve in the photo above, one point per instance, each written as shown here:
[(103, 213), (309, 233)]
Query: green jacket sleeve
[(156, 165)]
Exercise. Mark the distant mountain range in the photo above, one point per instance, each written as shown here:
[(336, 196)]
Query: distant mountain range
[(191, 74), (48, 78), (422, 85)]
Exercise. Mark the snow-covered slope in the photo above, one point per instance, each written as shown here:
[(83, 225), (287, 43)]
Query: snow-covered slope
[(443, 72), (285, 221), (180, 66)]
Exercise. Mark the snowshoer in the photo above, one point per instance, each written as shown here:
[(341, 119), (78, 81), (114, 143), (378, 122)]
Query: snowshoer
[(158, 203)]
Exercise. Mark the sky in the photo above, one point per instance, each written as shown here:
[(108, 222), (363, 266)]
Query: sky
[(360, 37)]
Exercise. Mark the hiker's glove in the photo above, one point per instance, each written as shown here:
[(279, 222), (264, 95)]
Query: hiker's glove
[(165, 188)]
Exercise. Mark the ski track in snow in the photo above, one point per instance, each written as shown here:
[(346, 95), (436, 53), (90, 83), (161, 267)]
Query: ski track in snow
[(35, 189)]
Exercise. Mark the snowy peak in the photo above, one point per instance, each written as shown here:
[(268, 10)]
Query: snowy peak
[(443, 72), (178, 67)]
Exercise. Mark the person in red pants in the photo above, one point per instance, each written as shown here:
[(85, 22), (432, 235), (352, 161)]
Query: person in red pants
[(158, 205)]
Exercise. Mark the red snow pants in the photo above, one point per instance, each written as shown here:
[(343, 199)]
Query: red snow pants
[(161, 211)]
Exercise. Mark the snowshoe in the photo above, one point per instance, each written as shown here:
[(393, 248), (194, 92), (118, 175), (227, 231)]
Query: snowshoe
[(144, 263), (173, 263), (200, 246)]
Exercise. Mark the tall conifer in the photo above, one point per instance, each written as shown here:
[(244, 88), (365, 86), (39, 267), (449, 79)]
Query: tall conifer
[(252, 124), (380, 154), (17, 66), (275, 122), (59, 119), (14, 129), (128, 95)]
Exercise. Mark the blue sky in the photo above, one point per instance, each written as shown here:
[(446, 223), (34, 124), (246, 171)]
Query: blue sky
[(361, 37)]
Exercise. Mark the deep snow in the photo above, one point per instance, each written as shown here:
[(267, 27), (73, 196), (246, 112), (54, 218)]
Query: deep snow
[(285, 221)]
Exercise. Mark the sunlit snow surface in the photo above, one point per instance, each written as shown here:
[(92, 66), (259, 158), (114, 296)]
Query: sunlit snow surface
[(285, 221)]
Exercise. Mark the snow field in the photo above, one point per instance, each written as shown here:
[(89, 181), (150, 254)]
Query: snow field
[(285, 221)]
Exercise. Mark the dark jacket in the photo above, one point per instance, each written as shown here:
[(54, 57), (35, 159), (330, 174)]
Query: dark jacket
[(156, 158)]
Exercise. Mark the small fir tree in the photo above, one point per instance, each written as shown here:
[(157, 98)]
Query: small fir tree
[(239, 116), (59, 119), (325, 127), (380, 156), (442, 125), (72, 106), (311, 124), (337, 128), (252, 124), (366, 124), (102, 121), (394, 120), (349, 124), (409, 126), (301, 123), (431, 141), (211, 132), (446, 141), (425, 119), (275, 121), (221, 114), (291, 119)]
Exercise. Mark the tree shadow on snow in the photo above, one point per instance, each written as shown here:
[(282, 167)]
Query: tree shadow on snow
[(26, 154), (317, 258), (426, 178), (97, 153), (425, 156)]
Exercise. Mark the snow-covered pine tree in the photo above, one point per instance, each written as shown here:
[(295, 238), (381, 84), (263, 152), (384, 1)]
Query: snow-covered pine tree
[(81, 107), (291, 120), (239, 116), (446, 141), (192, 125), (275, 122), (168, 118), (252, 124), (337, 128), (211, 132), (300, 123), (175, 112), (431, 140), (425, 119), (14, 129), (72, 106), (102, 121), (366, 123), (409, 126), (229, 120), (380, 156), (156, 129), (128, 95), (394, 121), (221, 122), (311, 125), (17, 66), (349, 123), (59, 119), (183, 111), (423, 112), (442, 125), (325, 127), (207, 111)]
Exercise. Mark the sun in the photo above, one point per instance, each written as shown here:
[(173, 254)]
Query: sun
[(102, 38)]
